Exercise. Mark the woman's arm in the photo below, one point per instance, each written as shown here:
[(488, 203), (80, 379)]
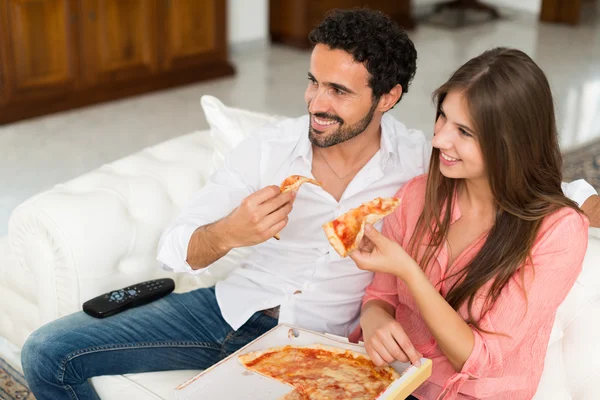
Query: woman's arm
[(452, 334), (384, 337)]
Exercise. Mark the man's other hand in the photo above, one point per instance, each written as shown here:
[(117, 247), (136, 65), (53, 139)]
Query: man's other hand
[(591, 207)]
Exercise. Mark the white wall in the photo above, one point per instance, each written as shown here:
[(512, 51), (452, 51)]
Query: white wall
[(533, 6), (247, 20)]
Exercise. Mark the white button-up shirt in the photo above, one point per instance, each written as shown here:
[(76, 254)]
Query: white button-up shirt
[(315, 288), (301, 273)]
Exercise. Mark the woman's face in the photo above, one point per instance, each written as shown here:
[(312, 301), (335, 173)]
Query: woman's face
[(460, 153)]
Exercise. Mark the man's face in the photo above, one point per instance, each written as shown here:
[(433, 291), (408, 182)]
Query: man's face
[(340, 101)]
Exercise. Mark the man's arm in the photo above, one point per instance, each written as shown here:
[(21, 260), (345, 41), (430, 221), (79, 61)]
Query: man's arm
[(207, 245), (260, 216), (238, 178), (586, 197), (591, 207)]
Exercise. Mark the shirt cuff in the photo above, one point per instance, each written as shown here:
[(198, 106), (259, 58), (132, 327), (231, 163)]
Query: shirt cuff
[(172, 250), (476, 366), (578, 191)]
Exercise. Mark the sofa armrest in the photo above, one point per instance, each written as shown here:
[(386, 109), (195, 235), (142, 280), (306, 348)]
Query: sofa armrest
[(100, 231)]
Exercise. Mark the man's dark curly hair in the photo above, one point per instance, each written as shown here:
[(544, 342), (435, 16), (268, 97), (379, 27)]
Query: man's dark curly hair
[(374, 40)]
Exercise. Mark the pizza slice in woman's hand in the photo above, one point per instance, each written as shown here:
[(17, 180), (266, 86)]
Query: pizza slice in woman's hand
[(346, 231)]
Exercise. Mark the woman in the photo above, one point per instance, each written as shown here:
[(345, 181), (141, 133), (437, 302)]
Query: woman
[(473, 265)]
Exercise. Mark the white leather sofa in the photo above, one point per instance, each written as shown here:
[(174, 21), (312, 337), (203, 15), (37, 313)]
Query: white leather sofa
[(100, 231)]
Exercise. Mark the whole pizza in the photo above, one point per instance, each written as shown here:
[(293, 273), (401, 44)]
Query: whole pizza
[(318, 372)]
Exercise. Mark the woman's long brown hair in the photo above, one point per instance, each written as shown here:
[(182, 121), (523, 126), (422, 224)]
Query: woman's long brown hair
[(512, 112)]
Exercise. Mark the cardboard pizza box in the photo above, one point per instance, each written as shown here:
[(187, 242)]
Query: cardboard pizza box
[(229, 380)]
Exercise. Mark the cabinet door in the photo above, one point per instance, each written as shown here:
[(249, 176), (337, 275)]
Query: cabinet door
[(561, 11), (193, 32), (38, 45), (3, 75), (119, 40)]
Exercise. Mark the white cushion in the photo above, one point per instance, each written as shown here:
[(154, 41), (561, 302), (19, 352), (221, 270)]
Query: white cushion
[(573, 359), (230, 125)]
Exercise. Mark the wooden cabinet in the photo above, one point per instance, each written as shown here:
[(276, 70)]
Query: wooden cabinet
[(561, 11), (61, 54), (290, 21), (190, 33), (38, 42), (119, 40)]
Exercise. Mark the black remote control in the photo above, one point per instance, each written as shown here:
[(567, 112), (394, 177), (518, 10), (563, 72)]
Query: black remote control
[(139, 294)]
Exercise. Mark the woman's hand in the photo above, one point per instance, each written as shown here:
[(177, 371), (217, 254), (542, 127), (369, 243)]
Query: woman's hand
[(377, 253), (385, 340)]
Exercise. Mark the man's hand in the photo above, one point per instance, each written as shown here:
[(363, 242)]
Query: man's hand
[(591, 207), (260, 216), (385, 340)]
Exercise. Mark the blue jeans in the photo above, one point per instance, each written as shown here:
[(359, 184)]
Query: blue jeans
[(179, 331)]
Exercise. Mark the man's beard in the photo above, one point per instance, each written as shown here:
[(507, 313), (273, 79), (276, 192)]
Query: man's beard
[(342, 133)]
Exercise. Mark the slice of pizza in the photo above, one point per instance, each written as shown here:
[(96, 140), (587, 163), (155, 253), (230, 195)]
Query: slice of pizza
[(293, 183), (346, 231), (318, 372)]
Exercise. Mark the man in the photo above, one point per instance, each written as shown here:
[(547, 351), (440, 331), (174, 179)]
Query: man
[(360, 67)]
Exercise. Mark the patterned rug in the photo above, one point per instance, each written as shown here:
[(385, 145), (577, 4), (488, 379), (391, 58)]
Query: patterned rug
[(583, 163), (12, 384)]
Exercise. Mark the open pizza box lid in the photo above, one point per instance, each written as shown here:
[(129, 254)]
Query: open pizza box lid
[(229, 380)]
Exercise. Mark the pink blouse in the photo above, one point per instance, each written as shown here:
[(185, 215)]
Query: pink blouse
[(501, 366)]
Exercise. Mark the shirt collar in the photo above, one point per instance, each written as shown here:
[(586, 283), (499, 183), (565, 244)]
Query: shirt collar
[(390, 129)]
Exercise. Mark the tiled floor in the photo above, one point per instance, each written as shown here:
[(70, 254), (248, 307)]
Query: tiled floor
[(36, 154)]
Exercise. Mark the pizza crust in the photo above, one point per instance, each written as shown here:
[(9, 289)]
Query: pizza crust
[(369, 219), (298, 180)]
